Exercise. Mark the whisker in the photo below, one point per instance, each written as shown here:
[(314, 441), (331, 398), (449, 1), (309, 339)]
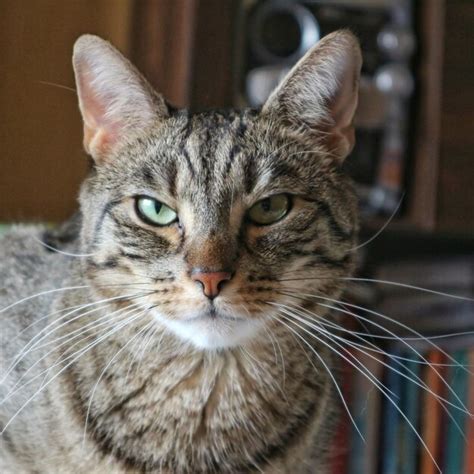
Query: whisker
[(384, 282), (41, 335), (82, 330), (288, 313), (358, 316), (147, 343), (378, 385), (413, 379), (329, 372), (92, 333), (408, 286), (61, 252), (59, 86), (273, 341), (275, 344), (56, 290), (47, 292), (299, 343), (94, 323), (416, 380), (79, 306), (282, 359), (29, 346), (363, 337), (91, 328), (82, 352), (142, 351), (250, 358), (89, 406), (388, 221)]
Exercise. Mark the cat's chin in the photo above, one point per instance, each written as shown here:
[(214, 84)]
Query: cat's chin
[(213, 331)]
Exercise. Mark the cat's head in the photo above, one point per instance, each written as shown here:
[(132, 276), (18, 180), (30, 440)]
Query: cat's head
[(218, 219)]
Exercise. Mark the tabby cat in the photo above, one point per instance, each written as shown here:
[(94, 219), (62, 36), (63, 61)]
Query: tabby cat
[(161, 336)]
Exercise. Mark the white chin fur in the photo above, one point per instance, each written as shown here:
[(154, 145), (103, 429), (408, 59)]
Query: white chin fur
[(212, 333)]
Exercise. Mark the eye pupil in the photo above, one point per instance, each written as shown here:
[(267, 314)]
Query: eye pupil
[(266, 205), (270, 210), (154, 212)]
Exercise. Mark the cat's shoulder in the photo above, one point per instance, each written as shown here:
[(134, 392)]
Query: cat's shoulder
[(23, 242), (30, 274), (26, 263), (35, 243)]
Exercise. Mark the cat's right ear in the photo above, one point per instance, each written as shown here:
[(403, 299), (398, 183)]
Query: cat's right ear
[(318, 97), (116, 102)]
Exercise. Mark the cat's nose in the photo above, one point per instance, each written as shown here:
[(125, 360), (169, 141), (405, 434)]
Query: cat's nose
[(211, 282)]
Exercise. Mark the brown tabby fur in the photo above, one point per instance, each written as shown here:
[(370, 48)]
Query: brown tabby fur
[(235, 391)]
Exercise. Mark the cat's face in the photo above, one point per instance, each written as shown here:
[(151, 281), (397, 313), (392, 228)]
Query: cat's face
[(216, 218)]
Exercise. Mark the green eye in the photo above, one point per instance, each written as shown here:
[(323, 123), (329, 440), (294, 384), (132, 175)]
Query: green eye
[(154, 212), (270, 210)]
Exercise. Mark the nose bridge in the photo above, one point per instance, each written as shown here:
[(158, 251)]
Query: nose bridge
[(210, 243), (212, 251)]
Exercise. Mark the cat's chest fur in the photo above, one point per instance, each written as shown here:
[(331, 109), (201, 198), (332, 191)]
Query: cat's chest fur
[(131, 406), (195, 412)]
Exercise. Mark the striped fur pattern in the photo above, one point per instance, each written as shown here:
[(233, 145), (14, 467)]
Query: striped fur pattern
[(132, 368)]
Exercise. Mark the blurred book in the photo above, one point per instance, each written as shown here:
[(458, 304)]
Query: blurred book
[(469, 454), (432, 415), (391, 424), (414, 421), (410, 403), (340, 453), (455, 440), (365, 409)]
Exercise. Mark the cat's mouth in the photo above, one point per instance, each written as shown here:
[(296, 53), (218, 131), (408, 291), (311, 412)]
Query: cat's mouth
[(213, 328), (214, 314)]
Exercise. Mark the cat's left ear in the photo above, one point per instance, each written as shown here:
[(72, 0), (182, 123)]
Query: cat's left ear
[(318, 97), (116, 102)]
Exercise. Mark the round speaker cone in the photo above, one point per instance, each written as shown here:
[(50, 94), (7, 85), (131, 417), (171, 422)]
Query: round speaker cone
[(281, 34)]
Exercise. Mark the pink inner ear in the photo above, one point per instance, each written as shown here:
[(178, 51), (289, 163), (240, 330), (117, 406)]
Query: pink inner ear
[(100, 131), (342, 109)]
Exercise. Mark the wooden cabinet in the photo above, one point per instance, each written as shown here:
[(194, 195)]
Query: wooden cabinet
[(41, 157), (440, 194), (455, 197)]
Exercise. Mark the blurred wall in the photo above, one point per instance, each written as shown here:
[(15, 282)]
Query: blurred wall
[(41, 157)]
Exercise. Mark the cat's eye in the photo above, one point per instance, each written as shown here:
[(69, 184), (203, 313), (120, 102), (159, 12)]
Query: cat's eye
[(154, 212), (270, 210)]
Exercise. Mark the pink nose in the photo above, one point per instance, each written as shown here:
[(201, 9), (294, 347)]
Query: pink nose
[(211, 281)]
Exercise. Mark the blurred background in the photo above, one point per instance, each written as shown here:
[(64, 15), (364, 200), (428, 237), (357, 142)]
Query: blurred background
[(413, 164), (416, 116)]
